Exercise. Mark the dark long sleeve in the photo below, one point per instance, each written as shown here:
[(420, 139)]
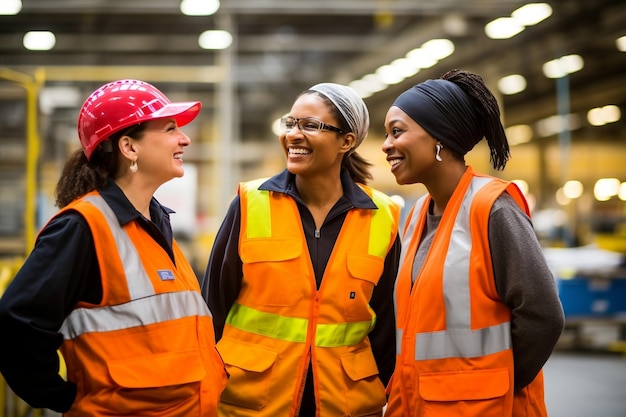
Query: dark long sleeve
[(49, 284), (222, 279), (526, 285), (383, 337)]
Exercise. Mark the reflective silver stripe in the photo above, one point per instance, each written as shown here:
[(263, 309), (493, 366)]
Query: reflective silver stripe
[(141, 312), (459, 340), (398, 340), (411, 225), (462, 343), (406, 241), (456, 270), (139, 284)]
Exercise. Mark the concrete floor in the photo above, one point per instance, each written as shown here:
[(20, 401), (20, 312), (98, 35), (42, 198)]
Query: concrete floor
[(585, 384)]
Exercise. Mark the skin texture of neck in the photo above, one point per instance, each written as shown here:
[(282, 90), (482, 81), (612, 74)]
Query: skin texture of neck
[(444, 184), (138, 192)]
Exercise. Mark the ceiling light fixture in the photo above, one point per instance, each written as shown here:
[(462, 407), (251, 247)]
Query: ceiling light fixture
[(215, 39), (10, 7), (39, 40), (532, 13), (601, 116), (199, 7), (528, 15), (563, 66), (512, 84), (621, 43)]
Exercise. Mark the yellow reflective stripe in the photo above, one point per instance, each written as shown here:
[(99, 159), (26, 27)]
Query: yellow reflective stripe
[(293, 329), (382, 222), (342, 334), (258, 206), (267, 324)]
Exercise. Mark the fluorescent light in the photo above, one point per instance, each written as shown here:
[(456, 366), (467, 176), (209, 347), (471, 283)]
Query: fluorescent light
[(42, 40), (600, 116), (605, 188), (621, 43), (215, 39), (404, 67), (573, 189), (560, 67), (532, 13), (389, 75), (503, 28), (199, 7), (512, 84), (558, 123), (10, 7), (439, 48), (621, 193), (421, 58)]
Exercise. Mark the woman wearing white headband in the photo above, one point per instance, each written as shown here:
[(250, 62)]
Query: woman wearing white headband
[(301, 274)]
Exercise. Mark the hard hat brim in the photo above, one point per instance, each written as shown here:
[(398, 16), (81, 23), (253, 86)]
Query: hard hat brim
[(183, 112)]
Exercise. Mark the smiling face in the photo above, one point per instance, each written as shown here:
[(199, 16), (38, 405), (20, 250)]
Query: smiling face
[(159, 151), (319, 152), (410, 149)]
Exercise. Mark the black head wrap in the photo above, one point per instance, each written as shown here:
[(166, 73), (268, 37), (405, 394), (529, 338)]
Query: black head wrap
[(445, 111)]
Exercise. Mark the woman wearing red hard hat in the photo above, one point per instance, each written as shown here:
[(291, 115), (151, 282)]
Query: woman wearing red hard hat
[(106, 282)]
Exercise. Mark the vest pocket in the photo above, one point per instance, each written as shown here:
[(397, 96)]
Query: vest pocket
[(273, 261), (365, 393), (365, 271), (145, 382), (368, 268), (269, 250), (250, 369), (472, 393)]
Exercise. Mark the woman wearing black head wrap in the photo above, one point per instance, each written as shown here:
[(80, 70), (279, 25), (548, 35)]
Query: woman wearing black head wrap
[(477, 312), (300, 278)]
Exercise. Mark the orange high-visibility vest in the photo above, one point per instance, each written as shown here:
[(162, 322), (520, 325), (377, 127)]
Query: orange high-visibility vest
[(280, 321), (148, 348), (454, 353)]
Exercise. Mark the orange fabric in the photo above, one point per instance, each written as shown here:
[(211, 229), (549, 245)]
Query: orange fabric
[(168, 368), (267, 374), (480, 386)]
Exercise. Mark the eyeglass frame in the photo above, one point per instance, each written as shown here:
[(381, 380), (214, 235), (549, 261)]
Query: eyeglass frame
[(322, 125)]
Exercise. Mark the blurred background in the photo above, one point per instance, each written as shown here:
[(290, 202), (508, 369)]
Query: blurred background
[(558, 69)]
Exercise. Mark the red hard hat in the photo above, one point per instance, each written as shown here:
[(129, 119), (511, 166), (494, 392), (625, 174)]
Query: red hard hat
[(123, 103)]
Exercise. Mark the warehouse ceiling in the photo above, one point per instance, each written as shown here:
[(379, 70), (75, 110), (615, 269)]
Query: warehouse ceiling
[(282, 47)]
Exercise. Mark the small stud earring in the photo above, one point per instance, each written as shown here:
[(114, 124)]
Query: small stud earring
[(439, 146)]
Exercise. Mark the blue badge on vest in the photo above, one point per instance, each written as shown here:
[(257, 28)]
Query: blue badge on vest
[(165, 274)]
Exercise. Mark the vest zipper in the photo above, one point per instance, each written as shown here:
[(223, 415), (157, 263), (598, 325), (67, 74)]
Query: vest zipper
[(317, 233)]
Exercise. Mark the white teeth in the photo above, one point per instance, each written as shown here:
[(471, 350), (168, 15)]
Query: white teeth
[(394, 162), (299, 151), (178, 156)]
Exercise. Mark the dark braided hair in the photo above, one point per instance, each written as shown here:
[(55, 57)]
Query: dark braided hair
[(474, 86)]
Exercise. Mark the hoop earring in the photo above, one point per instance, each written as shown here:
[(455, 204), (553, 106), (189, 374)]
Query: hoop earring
[(439, 146), (133, 166)]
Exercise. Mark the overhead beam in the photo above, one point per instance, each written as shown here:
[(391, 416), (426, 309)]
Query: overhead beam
[(258, 7), (170, 74)]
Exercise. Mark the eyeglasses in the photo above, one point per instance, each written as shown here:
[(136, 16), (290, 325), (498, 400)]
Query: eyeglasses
[(306, 124)]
